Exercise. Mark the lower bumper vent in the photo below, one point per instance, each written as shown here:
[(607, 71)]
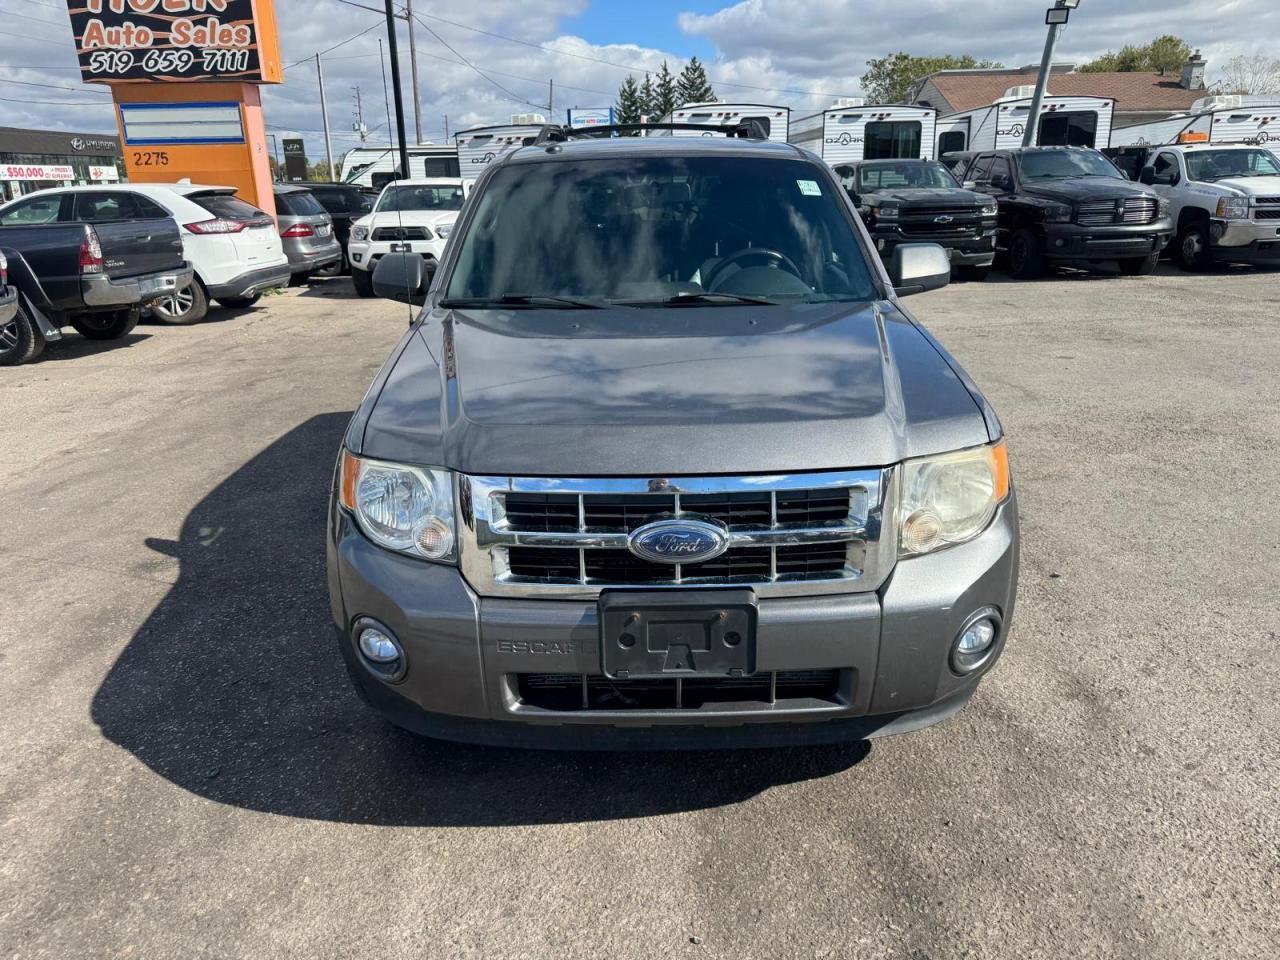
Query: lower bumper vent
[(574, 692)]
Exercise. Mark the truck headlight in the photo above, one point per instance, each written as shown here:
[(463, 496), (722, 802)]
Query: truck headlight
[(1233, 208), (990, 210), (443, 230), (403, 508), (887, 212), (950, 498), (1058, 213), (359, 233)]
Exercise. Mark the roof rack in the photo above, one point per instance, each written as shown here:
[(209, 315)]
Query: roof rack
[(746, 129)]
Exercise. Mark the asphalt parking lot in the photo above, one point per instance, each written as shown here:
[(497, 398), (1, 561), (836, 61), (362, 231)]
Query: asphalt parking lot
[(186, 772)]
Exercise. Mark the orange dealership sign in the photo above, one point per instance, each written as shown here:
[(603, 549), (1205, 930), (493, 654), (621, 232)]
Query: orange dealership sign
[(176, 40)]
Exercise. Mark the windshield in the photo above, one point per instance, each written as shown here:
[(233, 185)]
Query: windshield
[(1219, 164), (405, 198), (657, 229), (1064, 164), (883, 176)]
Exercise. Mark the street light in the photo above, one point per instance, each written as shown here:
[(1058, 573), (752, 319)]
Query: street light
[(1056, 17)]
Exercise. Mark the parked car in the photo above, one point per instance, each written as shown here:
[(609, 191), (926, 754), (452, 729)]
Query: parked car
[(410, 216), (1224, 199), (233, 247), (344, 202), (17, 338), (1069, 204), (306, 230), (919, 201), (83, 265), (665, 461)]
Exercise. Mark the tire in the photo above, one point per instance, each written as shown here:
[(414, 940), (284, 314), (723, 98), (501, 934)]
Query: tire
[(362, 281), (1192, 251), (973, 274), (19, 341), (239, 303), (300, 279), (1140, 266), (187, 306), (1026, 255), (107, 326)]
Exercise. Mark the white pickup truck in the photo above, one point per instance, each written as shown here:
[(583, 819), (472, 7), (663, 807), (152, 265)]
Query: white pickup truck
[(1224, 199)]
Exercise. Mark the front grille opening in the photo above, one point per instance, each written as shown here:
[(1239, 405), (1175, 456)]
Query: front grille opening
[(573, 692), (621, 566)]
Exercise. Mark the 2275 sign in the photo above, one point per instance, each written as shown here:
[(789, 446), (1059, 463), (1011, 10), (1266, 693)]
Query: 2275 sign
[(172, 40)]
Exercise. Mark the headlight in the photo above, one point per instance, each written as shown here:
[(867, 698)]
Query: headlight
[(359, 233), (990, 211), (442, 231), (403, 508), (950, 498), (1233, 208), (888, 212), (1057, 213), (1162, 207)]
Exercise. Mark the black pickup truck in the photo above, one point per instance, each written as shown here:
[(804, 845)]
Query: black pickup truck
[(16, 335), (95, 274), (1068, 204), (920, 201)]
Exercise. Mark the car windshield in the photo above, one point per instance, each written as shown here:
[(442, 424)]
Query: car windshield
[(884, 176), (661, 230), (1065, 164), (407, 197), (1220, 164)]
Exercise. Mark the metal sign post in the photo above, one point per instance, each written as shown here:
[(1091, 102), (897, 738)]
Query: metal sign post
[(1056, 18)]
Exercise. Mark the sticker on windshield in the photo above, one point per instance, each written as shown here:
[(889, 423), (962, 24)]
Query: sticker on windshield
[(809, 188)]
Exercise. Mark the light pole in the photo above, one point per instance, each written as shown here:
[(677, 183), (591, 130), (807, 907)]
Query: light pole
[(1056, 17)]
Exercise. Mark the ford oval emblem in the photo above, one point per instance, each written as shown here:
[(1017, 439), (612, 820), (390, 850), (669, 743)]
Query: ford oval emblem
[(678, 541)]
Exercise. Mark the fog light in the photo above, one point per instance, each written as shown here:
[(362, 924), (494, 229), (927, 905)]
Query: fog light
[(377, 646), (976, 641), (381, 651)]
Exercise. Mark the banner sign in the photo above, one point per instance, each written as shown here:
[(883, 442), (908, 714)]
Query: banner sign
[(103, 173), (295, 159), (37, 172), (173, 40)]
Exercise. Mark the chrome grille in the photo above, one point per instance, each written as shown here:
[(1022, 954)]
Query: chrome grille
[(1097, 214), (1261, 213), (1268, 201), (1139, 210), (401, 233), (788, 535)]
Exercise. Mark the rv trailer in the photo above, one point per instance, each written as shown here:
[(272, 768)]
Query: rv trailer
[(1064, 122), (775, 120), (1252, 120), (375, 167), (480, 146), (850, 131)]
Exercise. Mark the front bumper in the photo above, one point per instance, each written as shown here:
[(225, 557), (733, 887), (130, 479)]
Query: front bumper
[(253, 281), (964, 252), (1246, 241), (100, 290), (890, 649), (316, 256), (365, 254), (1069, 241)]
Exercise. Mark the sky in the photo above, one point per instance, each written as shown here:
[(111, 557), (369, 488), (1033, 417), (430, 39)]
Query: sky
[(797, 53)]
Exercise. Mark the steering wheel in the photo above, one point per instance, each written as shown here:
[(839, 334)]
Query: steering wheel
[(772, 258)]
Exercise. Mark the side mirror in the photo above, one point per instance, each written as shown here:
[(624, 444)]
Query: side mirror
[(404, 277), (919, 268), (970, 184), (1148, 176), (1001, 182)]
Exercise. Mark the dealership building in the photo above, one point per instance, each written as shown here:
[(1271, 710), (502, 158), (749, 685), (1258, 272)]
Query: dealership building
[(35, 159)]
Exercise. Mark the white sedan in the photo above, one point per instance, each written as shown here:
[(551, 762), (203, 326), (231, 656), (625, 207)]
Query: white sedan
[(411, 216)]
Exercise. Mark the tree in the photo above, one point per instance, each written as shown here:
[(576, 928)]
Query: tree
[(1163, 55), (1258, 74), (893, 79), (693, 85), (648, 100), (665, 96), (629, 106)]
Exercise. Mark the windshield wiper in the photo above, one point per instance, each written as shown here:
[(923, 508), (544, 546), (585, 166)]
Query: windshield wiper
[(521, 300), (694, 299)]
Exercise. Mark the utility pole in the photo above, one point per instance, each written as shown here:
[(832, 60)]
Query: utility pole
[(413, 70), (324, 116), (446, 128), (395, 88), (551, 100), (1056, 17)]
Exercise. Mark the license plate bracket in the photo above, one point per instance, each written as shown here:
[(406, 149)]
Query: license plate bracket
[(154, 285), (669, 634), (402, 248)]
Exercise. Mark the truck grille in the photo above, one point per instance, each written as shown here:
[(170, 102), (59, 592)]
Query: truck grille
[(957, 223), (1134, 210), (1264, 214), (788, 535), (401, 233), (1269, 201), (573, 692)]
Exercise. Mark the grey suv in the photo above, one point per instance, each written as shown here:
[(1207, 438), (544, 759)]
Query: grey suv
[(664, 462)]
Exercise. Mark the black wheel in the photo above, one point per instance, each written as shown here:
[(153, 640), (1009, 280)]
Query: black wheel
[(973, 274), (239, 303), (1140, 266), (363, 282), (1192, 251), (188, 305), (1026, 255), (19, 341), (107, 326), (300, 279)]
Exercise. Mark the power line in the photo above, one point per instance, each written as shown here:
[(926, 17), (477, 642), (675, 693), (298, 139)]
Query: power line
[(445, 44), (342, 43), (20, 36), (51, 86), (55, 103)]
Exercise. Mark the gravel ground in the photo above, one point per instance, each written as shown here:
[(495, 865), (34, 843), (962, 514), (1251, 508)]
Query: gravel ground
[(186, 773)]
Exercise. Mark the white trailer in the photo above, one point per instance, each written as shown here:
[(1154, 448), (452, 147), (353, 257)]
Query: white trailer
[(1222, 119), (480, 146), (377, 166), (1064, 121), (775, 120), (850, 131)]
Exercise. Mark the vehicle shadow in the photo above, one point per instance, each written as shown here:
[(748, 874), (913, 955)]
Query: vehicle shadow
[(72, 346), (233, 689)]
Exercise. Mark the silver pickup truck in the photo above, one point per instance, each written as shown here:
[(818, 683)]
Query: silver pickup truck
[(664, 462)]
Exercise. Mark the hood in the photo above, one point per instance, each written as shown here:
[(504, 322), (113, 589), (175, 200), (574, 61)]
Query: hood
[(409, 218), (1251, 186), (668, 392), (927, 197), (1077, 189)]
